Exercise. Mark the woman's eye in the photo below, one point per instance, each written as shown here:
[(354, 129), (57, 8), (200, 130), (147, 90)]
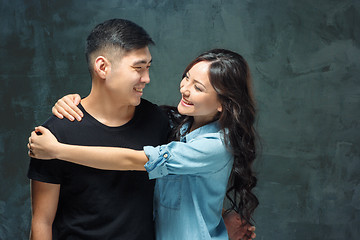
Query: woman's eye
[(197, 88)]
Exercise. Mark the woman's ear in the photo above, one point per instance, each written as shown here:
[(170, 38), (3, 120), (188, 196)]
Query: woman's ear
[(219, 109), (102, 66)]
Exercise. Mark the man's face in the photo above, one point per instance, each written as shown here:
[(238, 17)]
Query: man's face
[(129, 75)]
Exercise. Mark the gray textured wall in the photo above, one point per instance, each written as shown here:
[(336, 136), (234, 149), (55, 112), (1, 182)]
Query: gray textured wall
[(304, 56)]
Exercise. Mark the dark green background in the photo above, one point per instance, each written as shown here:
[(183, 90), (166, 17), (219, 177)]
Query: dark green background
[(305, 61)]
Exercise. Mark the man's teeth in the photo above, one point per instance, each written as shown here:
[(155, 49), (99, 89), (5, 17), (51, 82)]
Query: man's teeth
[(138, 89)]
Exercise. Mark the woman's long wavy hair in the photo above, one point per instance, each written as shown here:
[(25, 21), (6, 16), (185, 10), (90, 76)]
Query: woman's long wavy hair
[(230, 77)]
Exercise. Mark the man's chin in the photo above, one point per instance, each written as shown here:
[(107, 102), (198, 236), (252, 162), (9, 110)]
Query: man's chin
[(136, 102)]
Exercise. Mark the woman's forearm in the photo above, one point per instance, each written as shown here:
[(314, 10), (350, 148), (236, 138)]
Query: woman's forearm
[(107, 158)]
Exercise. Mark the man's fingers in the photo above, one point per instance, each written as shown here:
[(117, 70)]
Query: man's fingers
[(251, 228), (249, 236)]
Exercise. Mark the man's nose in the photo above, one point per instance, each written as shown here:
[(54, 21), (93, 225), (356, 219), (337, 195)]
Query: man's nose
[(145, 78)]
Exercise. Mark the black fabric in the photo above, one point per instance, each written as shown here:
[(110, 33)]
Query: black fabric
[(102, 204), (175, 118)]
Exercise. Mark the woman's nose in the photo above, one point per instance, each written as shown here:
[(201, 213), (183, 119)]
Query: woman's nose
[(184, 89)]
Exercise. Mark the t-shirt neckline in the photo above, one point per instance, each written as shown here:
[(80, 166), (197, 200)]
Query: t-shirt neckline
[(111, 128)]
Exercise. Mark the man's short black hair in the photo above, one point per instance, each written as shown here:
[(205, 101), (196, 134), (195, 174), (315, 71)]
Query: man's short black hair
[(119, 34)]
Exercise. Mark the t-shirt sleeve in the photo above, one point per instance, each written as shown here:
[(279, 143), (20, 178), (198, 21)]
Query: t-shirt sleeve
[(203, 155), (49, 171)]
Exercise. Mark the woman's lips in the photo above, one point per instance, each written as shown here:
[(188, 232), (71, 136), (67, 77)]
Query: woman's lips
[(186, 103)]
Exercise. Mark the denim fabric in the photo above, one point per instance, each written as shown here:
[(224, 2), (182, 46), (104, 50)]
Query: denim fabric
[(191, 179)]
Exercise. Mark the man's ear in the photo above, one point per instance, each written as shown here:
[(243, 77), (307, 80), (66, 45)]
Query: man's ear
[(102, 66)]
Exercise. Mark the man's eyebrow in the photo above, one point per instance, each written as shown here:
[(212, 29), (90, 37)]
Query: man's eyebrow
[(142, 62)]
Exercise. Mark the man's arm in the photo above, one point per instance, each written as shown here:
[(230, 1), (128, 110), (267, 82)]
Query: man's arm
[(44, 202)]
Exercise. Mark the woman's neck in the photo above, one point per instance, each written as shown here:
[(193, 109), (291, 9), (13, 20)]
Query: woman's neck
[(197, 123)]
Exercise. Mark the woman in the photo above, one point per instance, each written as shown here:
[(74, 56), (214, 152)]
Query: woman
[(214, 148)]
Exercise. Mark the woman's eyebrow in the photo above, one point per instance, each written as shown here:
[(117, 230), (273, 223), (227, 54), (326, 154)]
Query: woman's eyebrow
[(197, 81)]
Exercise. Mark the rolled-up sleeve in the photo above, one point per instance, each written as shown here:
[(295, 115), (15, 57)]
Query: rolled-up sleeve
[(156, 166), (202, 155)]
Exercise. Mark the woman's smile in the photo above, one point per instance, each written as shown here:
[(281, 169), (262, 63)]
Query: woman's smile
[(186, 103)]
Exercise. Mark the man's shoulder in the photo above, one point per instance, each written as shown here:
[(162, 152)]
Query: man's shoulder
[(54, 121), (61, 126), (151, 109), (146, 104)]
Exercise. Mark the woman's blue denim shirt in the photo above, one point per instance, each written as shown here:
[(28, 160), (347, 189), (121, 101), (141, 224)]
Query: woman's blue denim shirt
[(191, 179)]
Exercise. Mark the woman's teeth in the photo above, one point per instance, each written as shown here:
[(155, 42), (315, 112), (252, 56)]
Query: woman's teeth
[(187, 102)]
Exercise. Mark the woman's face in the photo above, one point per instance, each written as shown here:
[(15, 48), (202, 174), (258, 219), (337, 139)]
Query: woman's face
[(199, 98)]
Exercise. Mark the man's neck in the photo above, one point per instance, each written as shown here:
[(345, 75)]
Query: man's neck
[(108, 111)]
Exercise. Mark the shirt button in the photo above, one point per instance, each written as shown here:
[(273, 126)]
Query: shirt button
[(165, 155)]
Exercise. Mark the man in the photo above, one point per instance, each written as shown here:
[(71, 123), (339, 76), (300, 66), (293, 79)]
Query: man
[(75, 202)]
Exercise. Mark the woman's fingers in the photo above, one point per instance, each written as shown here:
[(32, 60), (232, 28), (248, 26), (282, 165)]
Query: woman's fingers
[(39, 130), (76, 98), (41, 142), (67, 107), (72, 101), (30, 152), (62, 108), (32, 137), (56, 112)]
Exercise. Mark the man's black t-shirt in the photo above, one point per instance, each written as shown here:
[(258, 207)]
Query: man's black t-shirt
[(102, 204)]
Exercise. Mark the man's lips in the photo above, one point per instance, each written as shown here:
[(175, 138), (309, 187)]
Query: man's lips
[(139, 90)]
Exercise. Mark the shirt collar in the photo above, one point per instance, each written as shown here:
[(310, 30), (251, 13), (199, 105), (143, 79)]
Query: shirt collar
[(212, 127)]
